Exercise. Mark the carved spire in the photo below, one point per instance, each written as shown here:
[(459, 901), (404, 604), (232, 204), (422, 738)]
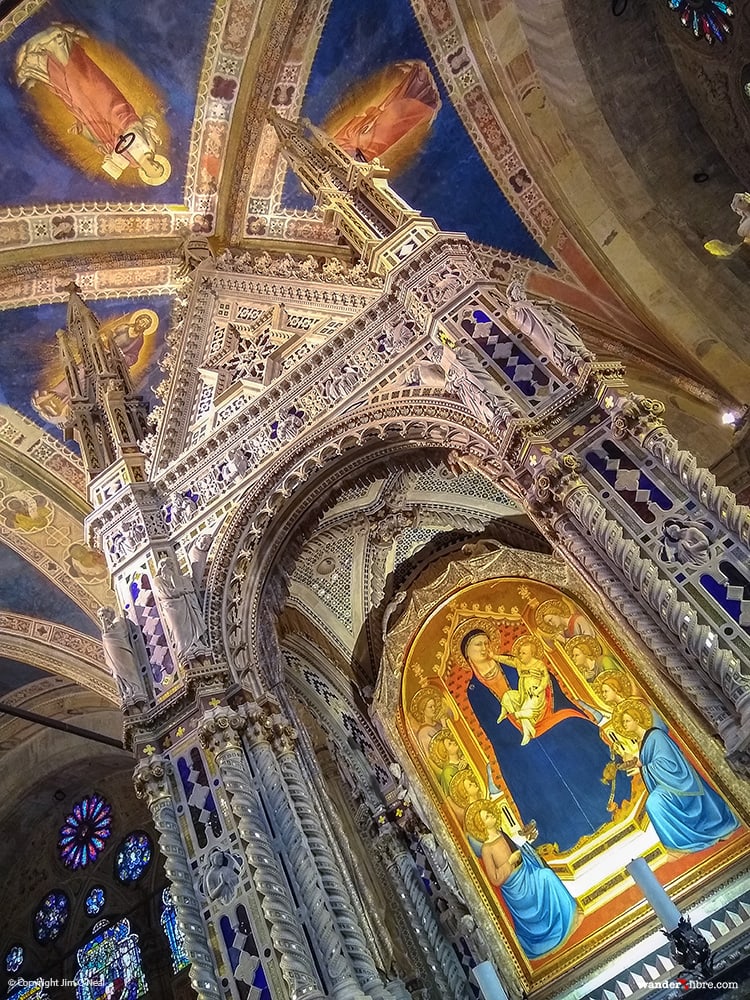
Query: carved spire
[(106, 416), (354, 194)]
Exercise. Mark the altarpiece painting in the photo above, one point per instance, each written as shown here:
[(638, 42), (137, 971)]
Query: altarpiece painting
[(533, 728)]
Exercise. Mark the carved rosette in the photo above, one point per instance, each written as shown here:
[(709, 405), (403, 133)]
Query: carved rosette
[(151, 780), (272, 734), (634, 416), (555, 478), (220, 733), (283, 743)]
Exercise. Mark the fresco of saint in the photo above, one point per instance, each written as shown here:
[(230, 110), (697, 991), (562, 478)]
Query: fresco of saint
[(409, 107), (135, 335), (57, 60), (542, 909), (687, 813)]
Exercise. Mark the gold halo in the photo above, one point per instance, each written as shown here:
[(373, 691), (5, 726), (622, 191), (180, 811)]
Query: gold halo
[(156, 180), (485, 625), (637, 709), (420, 699), (616, 679), (553, 607), (436, 749), (456, 787), (528, 640), (473, 822), (588, 643)]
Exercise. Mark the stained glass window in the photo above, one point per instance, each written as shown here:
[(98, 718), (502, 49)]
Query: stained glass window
[(173, 932), (109, 964), (14, 958), (51, 917), (707, 19), (94, 902), (29, 989), (133, 857), (85, 830)]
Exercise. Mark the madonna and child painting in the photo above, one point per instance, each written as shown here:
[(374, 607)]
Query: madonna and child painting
[(551, 765)]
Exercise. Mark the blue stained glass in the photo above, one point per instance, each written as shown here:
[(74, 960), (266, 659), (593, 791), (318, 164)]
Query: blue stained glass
[(84, 832), (14, 958), (133, 857), (51, 917), (30, 989), (95, 901), (173, 932), (709, 19), (110, 964)]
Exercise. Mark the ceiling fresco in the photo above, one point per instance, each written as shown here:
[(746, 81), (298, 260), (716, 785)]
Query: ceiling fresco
[(375, 88), (25, 590), (83, 79), (32, 380)]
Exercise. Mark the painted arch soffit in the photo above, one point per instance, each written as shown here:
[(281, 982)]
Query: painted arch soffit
[(58, 650), (567, 897)]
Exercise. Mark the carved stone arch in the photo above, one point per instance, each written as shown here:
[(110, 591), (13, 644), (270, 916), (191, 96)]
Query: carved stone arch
[(245, 579)]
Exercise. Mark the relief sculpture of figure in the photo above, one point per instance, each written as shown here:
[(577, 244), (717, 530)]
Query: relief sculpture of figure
[(548, 328), (57, 60), (221, 877), (121, 658), (686, 542), (180, 610), (686, 812)]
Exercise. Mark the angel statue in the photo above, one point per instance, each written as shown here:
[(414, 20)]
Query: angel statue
[(741, 207)]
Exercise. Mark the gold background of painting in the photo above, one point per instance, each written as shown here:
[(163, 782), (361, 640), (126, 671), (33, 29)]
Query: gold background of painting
[(57, 120), (426, 625)]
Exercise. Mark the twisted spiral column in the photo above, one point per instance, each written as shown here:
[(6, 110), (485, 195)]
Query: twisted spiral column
[(684, 621), (360, 895), (283, 742), (448, 973), (151, 780), (343, 982), (700, 482), (220, 733), (591, 565)]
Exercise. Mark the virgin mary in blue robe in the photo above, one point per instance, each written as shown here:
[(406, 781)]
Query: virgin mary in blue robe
[(557, 777)]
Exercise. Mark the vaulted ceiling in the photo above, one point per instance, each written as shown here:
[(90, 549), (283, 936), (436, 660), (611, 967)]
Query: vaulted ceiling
[(590, 155)]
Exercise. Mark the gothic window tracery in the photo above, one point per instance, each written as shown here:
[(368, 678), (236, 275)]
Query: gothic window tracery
[(85, 831), (133, 856), (51, 917)]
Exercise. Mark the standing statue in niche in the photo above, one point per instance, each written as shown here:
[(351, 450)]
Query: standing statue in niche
[(121, 658), (180, 610), (548, 328)]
